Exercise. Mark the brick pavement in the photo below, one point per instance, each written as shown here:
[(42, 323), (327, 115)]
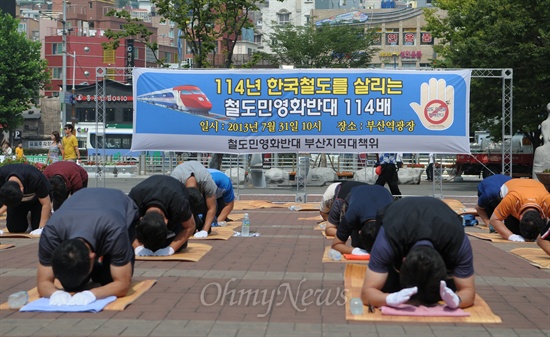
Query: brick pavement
[(263, 286)]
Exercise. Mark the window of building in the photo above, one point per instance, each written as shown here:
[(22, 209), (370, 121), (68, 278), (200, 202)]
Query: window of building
[(57, 73), (408, 65), (258, 38), (377, 39), (392, 39), (22, 27), (110, 115), (127, 115), (409, 37), (85, 114), (426, 38), (283, 17), (57, 48)]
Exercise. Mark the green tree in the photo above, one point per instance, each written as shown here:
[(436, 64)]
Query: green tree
[(328, 46), (203, 22), (498, 34), (23, 73)]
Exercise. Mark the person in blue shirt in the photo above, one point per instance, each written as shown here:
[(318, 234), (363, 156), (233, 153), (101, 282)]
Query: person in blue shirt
[(358, 218), (388, 161), (225, 197), (488, 195)]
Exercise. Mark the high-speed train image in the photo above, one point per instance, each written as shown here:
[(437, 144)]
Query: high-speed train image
[(187, 98)]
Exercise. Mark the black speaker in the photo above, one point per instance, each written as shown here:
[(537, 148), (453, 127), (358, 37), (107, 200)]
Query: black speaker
[(8, 6)]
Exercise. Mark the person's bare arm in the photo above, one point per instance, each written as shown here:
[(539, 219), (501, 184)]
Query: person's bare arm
[(482, 214), (500, 227), (341, 246), (543, 244), (226, 210), (210, 213), (122, 280), (46, 211), (371, 292), (465, 290), (330, 229), (44, 281), (183, 235), (3, 209)]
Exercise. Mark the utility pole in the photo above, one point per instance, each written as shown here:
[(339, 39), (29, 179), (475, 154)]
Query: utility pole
[(64, 65), (73, 103)]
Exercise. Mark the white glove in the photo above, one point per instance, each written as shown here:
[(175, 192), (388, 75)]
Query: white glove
[(516, 238), (166, 251), (142, 251), (201, 234), (37, 231), (83, 298), (448, 296), (60, 297), (359, 251), (400, 297)]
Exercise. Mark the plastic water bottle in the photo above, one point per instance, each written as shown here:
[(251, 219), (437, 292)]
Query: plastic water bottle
[(335, 255), (18, 299), (356, 306), (245, 230)]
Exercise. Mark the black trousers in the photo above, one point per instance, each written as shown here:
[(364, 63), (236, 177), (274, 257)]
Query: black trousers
[(389, 176), (16, 219)]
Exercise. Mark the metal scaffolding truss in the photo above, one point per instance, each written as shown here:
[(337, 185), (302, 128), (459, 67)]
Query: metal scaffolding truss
[(102, 74), (506, 75)]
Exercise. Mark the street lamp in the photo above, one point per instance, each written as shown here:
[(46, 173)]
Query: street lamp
[(394, 60)]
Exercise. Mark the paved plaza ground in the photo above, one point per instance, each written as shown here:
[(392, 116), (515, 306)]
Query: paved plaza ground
[(202, 298)]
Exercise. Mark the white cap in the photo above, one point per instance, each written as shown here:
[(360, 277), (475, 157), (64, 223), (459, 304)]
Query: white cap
[(328, 198)]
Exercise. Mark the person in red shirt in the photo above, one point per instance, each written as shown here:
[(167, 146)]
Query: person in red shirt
[(66, 177)]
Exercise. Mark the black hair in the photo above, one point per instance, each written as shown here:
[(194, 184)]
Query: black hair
[(424, 268), (71, 263), (531, 225), (11, 194), (368, 234), (196, 200), (69, 126), (151, 231), (59, 191)]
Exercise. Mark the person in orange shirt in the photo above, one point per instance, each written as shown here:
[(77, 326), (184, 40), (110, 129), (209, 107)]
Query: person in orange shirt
[(523, 212)]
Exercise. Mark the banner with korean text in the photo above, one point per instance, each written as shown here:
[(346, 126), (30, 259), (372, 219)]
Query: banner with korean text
[(301, 110)]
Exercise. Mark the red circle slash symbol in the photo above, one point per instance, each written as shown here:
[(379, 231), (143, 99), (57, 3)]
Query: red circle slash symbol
[(436, 111)]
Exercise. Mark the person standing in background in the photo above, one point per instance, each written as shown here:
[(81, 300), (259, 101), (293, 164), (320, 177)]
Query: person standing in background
[(430, 168), (389, 173), (56, 148), (70, 144), (19, 153), (399, 159), (6, 148)]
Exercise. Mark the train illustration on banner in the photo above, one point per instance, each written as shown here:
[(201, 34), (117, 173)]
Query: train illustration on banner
[(184, 98)]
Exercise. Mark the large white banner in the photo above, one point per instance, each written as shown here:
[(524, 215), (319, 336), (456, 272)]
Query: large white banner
[(314, 110)]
